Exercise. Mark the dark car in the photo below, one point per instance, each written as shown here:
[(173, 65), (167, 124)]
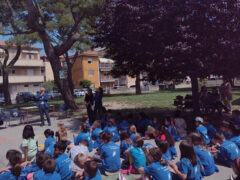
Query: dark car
[(24, 97)]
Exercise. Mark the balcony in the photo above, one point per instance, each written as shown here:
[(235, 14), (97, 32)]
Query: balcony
[(24, 79), (29, 63), (107, 80), (105, 67)]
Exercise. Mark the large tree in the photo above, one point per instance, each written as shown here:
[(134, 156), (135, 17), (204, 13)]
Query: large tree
[(51, 20), (173, 39)]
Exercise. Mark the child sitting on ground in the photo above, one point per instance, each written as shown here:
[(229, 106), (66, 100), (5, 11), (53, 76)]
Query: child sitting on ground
[(224, 129), (14, 170), (125, 143), (132, 131), (137, 155), (84, 135), (49, 167), (124, 126), (63, 162), (50, 140), (164, 147), (211, 131), (80, 160), (110, 154), (82, 148), (108, 117), (169, 123), (95, 131), (91, 171), (204, 155), (235, 135), (157, 168), (228, 151), (180, 124), (143, 123), (189, 166), (201, 129), (111, 128), (41, 158)]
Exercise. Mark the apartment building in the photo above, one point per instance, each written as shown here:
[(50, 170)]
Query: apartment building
[(86, 66), (105, 67), (27, 75)]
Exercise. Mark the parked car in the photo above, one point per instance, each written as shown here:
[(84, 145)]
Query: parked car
[(54, 95), (2, 99), (119, 87), (25, 97), (79, 93)]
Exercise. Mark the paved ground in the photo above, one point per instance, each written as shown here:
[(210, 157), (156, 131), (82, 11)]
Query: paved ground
[(11, 138)]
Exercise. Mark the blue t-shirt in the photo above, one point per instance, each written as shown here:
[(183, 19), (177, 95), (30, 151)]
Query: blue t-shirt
[(167, 156), (192, 172), (203, 131), (123, 147), (84, 136), (64, 166), (50, 150), (143, 124), (227, 135), (110, 153), (124, 126), (211, 131), (51, 176), (133, 135), (237, 121), (228, 152), (114, 131), (95, 134), (173, 151), (206, 160), (158, 171), (9, 176), (139, 159), (236, 140), (38, 175), (34, 168), (174, 133), (97, 177), (49, 141)]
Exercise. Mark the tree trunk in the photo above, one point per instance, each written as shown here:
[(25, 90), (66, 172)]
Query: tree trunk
[(195, 95), (138, 85), (63, 84), (69, 73), (5, 87)]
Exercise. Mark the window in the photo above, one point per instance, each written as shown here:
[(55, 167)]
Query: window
[(30, 56), (13, 71), (36, 85), (105, 74), (91, 73), (30, 72), (42, 70), (90, 61), (26, 85)]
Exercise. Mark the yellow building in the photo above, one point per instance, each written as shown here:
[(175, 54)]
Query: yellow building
[(86, 67)]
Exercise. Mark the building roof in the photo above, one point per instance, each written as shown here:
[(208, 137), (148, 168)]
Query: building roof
[(89, 53), (105, 60), (2, 43)]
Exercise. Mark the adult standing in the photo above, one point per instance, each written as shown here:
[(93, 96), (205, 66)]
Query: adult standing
[(226, 94), (89, 99), (98, 103), (42, 103)]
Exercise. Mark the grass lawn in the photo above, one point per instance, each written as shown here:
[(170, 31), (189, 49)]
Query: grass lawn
[(161, 99)]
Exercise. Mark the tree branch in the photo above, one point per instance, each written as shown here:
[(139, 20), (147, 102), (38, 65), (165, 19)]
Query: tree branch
[(4, 64), (14, 60)]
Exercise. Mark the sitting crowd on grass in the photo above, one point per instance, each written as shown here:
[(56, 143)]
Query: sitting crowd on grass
[(65, 159)]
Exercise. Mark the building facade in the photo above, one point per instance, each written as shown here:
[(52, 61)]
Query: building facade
[(27, 74), (86, 66)]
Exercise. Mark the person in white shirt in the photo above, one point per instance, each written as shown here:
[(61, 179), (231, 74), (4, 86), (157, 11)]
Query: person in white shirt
[(180, 124)]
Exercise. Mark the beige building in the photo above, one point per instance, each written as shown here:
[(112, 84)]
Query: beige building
[(27, 75)]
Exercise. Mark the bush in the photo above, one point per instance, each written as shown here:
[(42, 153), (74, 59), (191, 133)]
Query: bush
[(50, 86), (84, 83)]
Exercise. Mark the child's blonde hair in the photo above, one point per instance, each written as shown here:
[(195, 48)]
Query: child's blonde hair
[(62, 131), (133, 129), (80, 159)]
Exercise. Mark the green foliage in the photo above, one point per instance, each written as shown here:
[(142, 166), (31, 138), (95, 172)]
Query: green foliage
[(50, 86), (84, 83)]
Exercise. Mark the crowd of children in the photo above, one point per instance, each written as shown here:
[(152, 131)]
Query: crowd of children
[(65, 159)]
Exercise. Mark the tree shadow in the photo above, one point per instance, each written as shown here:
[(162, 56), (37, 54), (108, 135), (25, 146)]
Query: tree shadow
[(236, 102)]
